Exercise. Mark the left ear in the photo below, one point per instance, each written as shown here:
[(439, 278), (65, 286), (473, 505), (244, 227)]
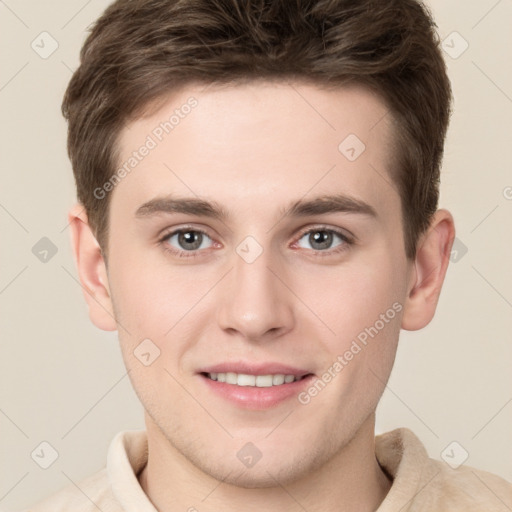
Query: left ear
[(431, 262)]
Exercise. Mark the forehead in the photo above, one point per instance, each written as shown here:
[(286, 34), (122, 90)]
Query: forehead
[(268, 142)]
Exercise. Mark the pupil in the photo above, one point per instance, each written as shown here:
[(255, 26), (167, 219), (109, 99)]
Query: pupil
[(192, 238), (322, 238)]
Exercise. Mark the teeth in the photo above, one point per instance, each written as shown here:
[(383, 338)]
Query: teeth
[(231, 378), (245, 380), (259, 381), (264, 381), (279, 379)]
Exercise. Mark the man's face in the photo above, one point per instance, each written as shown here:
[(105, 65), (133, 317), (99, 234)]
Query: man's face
[(263, 289)]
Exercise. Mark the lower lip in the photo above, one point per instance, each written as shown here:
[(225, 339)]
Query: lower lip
[(252, 397)]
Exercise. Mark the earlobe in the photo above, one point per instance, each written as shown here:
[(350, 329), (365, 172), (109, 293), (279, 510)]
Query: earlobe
[(430, 265), (91, 269)]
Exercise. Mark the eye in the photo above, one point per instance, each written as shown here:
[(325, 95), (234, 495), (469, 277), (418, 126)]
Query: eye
[(186, 240), (321, 239)]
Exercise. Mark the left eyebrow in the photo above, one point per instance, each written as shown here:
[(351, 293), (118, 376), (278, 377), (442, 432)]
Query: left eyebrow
[(338, 203)]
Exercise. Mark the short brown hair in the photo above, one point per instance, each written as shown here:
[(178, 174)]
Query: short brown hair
[(141, 50)]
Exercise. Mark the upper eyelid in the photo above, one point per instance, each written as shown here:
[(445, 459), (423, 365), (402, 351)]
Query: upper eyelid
[(339, 231)]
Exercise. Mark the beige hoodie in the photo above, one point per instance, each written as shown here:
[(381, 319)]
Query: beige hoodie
[(420, 484)]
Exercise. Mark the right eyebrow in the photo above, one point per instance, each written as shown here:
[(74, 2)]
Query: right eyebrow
[(191, 206)]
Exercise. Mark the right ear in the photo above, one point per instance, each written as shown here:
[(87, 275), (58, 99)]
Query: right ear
[(92, 270)]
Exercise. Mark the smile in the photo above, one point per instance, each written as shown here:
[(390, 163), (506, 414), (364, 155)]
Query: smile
[(259, 381)]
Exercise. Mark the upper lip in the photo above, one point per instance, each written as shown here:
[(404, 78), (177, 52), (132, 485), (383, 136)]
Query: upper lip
[(251, 368)]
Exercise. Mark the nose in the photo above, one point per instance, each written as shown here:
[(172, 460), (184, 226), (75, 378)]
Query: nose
[(254, 302)]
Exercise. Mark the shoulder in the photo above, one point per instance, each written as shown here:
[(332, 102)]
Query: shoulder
[(112, 489), (474, 489), (421, 483), (88, 495)]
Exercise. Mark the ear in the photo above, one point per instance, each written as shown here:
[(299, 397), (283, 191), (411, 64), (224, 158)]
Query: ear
[(430, 265), (92, 270)]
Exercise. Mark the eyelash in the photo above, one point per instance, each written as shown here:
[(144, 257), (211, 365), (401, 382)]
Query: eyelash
[(347, 241)]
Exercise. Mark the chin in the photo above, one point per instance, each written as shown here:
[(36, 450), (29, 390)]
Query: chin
[(259, 477)]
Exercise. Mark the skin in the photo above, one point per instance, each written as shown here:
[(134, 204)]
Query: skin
[(255, 149)]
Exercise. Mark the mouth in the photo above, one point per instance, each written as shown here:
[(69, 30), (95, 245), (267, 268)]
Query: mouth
[(258, 381), (255, 386)]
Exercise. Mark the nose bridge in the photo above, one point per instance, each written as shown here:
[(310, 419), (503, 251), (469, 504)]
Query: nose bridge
[(255, 303)]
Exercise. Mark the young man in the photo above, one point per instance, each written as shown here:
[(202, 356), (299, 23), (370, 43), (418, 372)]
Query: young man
[(257, 218)]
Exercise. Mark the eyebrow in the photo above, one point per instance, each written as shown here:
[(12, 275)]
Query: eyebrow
[(188, 205), (337, 203), (321, 205)]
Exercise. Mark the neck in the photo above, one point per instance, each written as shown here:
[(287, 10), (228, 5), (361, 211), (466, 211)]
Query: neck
[(351, 480)]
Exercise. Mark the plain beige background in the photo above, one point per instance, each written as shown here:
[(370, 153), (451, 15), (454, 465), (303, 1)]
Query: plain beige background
[(63, 380)]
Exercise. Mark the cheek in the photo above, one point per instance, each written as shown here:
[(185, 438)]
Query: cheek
[(363, 307), (150, 296), (353, 297), (164, 305)]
